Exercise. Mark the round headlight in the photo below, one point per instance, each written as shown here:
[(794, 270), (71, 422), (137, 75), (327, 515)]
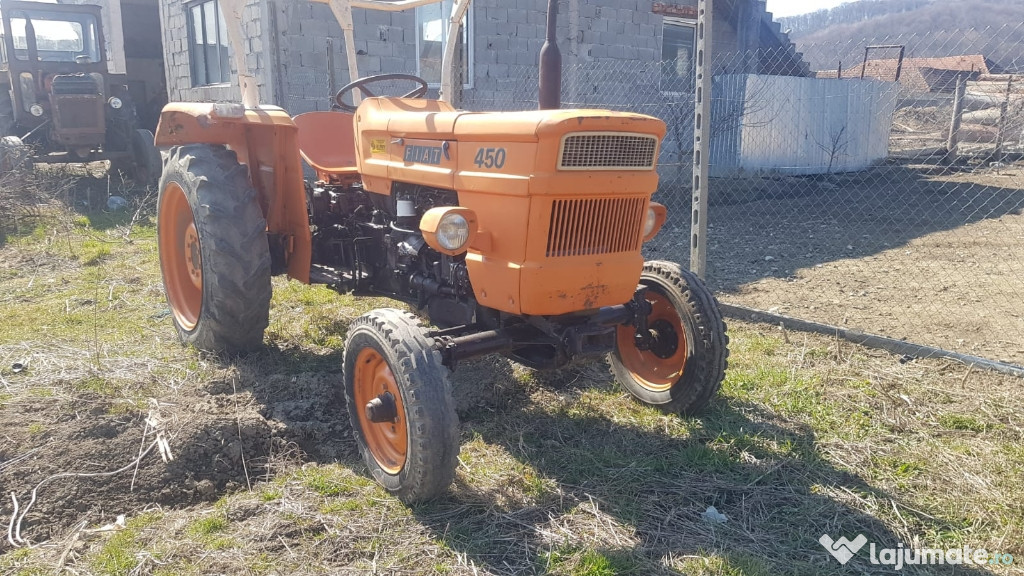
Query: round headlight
[(36, 110), (650, 222), (452, 232), (115, 103)]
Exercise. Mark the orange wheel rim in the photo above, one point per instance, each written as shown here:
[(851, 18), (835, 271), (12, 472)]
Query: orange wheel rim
[(180, 256), (387, 441), (659, 368)]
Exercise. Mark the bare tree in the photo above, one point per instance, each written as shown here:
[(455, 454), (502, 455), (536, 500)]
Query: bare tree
[(835, 146)]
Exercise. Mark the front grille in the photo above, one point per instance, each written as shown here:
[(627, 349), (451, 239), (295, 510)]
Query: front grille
[(582, 227), (78, 113), (74, 84), (608, 151)]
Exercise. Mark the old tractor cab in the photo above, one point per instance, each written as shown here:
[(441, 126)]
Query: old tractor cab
[(58, 102)]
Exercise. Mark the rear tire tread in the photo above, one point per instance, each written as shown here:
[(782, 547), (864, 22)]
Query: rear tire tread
[(235, 310)]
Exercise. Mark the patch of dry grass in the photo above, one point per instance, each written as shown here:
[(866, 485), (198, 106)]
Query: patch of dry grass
[(559, 473)]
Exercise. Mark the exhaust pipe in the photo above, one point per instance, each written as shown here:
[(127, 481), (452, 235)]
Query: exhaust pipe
[(550, 88)]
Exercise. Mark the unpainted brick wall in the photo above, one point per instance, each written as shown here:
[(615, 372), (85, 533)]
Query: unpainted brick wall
[(289, 43), (307, 33), (179, 77)]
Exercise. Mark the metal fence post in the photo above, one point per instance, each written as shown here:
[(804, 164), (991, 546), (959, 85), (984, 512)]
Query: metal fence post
[(701, 142), (958, 113), (1004, 110)]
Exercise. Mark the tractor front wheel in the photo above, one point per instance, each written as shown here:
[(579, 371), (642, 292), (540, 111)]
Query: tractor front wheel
[(400, 405), (214, 255), (685, 360)]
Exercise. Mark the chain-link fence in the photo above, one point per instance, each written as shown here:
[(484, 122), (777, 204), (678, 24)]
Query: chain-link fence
[(876, 185), (884, 195)]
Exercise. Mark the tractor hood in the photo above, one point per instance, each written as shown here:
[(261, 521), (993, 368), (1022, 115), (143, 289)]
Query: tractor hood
[(437, 120)]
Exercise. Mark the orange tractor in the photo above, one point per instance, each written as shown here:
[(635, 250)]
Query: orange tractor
[(516, 233)]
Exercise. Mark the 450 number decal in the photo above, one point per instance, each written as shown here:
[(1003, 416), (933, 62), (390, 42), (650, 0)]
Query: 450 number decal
[(490, 158)]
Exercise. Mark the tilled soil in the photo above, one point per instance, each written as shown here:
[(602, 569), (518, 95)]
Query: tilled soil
[(219, 442), (224, 435)]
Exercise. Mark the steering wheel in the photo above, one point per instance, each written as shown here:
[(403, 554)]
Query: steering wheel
[(339, 102)]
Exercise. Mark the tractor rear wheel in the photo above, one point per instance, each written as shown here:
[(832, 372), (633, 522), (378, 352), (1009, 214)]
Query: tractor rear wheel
[(685, 363), (214, 255), (400, 404)]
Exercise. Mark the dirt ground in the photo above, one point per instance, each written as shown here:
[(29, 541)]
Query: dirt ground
[(560, 473), (250, 442), (919, 252)]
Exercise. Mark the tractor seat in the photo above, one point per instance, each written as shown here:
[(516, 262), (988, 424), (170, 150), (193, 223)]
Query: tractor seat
[(327, 142)]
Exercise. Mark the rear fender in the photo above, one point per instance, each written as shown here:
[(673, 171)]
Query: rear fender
[(265, 140)]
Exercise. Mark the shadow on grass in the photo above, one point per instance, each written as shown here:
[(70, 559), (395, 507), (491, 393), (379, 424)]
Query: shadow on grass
[(764, 472), (301, 390), (89, 198), (580, 484)]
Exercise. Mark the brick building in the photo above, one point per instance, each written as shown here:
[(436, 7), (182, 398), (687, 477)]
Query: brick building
[(295, 48)]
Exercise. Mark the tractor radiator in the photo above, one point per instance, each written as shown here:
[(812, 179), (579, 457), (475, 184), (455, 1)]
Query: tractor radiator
[(608, 151), (78, 113), (581, 227)]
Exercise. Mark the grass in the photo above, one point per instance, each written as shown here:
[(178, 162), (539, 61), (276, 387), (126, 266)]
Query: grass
[(118, 554), (559, 472), (332, 480), (729, 565), (962, 422), (570, 561), (209, 532), (207, 527)]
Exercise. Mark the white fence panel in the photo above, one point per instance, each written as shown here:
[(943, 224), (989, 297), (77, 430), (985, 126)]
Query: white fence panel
[(801, 126)]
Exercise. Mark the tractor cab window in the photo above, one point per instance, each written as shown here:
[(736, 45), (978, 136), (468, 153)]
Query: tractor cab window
[(59, 37), (431, 37)]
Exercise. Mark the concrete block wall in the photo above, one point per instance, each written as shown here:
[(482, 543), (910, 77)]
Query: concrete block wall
[(618, 50), (173, 25), (507, 38), (307, 33), (610, 51)]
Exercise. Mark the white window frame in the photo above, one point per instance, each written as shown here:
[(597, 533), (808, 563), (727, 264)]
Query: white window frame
[(667, 21), (445, 17), (225, 79)]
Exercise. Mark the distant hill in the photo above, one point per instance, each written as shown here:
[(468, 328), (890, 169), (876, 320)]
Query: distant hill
[(928, 28)]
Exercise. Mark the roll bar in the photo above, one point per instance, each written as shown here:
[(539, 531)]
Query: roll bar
[(342, 9), (343, 13)]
